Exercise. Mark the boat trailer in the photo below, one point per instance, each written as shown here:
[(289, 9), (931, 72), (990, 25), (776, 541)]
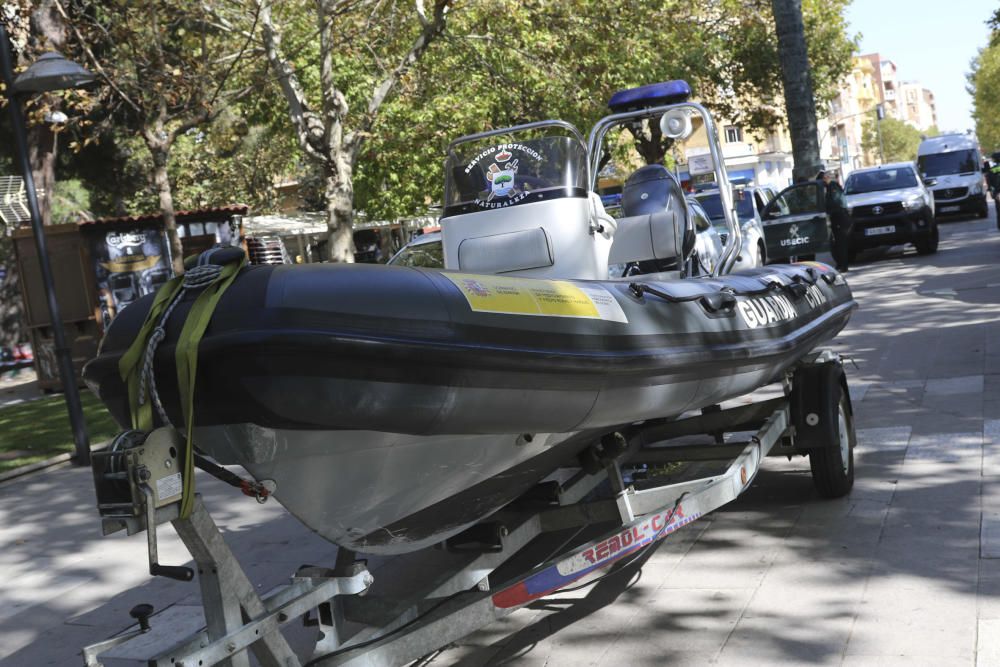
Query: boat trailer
[(621, 500)]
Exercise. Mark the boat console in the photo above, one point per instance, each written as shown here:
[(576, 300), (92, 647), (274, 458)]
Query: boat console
[(522, 200), (517, 201)]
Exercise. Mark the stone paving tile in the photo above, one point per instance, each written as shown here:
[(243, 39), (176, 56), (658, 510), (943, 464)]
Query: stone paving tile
[(786, 639), (988, 648), (904, 615), (884, 438), (857, 390), (907, 660), (966, 418), (945, 447), (989, 539), (35, 647)]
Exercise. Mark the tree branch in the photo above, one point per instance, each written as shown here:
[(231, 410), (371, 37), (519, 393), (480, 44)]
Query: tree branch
[(308, 126), (432, 29), (232, 65), (94, 62), (334, 101)]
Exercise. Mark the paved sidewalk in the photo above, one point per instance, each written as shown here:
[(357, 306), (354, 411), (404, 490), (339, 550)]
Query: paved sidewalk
[(19, 387), (905, 571)]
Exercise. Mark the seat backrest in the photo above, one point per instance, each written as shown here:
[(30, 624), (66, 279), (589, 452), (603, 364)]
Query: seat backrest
[(644, 237)]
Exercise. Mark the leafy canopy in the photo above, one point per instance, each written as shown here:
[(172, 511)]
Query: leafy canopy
[(900, 140)]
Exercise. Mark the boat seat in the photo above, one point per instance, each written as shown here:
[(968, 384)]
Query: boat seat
[(655, 224), (645, 237)]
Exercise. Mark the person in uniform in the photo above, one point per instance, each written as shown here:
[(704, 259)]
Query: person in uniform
[(993, 175), (840, 221)]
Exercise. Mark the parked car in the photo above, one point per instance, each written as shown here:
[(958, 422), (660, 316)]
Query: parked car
[(424, 250), (708, 242), (796, 226), (891, 205), (952, 168), (750, 202)]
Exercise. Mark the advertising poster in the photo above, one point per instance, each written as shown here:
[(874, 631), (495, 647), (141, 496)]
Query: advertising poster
[(128, 264)]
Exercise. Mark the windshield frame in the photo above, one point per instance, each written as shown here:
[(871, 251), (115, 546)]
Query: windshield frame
[(716, 198), (855, 176), (972, 156)]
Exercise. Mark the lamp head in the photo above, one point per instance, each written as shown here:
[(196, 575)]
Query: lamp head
[(52, 72)]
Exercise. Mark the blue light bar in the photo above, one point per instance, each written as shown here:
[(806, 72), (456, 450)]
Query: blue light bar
[(653, 95)]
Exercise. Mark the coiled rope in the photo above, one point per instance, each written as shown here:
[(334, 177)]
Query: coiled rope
[(194, 278)]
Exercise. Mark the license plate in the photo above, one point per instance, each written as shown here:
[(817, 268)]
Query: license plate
[(875, 231), (950, 209)]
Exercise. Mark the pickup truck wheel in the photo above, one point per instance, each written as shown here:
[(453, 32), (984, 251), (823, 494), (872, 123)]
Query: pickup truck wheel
[(832, 465), (928, 245)]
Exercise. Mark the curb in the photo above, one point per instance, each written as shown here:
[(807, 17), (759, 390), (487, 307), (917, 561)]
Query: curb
[(47, 463)]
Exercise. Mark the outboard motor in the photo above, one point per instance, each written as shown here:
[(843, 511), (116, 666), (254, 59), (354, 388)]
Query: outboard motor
[(657, 232)]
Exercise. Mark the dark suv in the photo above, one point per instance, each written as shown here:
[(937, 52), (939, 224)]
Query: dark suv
[(890, 205)]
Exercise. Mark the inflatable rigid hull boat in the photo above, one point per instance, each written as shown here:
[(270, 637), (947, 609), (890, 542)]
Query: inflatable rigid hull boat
[(394, 406)]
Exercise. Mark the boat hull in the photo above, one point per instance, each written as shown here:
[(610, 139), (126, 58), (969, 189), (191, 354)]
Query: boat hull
[(390, 405)]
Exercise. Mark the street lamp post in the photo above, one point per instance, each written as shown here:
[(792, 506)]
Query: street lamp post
[(51, 72)]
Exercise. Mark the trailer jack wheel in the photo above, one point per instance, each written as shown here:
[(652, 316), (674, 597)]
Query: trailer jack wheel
[(832, 465)]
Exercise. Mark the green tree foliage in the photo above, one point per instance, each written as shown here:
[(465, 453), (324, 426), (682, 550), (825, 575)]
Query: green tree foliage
[(15, 16), (361, 52), (166, 66), (512, 62), (984, 86), (498, 63), (899, 140)]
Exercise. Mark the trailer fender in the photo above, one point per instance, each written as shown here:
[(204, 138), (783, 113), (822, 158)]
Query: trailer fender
[(816, 391)]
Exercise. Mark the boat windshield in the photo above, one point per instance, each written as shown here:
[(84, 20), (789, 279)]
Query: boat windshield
[(486, 176)]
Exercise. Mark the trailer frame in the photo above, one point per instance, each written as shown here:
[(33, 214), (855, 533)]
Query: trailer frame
[(454, 603)]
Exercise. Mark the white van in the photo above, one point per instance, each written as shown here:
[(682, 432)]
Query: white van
[(952, 168)]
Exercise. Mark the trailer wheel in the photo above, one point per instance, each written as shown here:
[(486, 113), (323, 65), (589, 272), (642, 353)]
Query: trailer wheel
[(832, 465)]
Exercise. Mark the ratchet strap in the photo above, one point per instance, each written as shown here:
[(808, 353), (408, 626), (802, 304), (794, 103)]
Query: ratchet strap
[(213, 273)]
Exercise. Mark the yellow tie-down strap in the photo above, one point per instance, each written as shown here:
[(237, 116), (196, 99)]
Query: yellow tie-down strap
[(186, 359), (532, 296)]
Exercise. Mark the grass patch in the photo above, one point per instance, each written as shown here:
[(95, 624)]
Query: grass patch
[(37, 430)]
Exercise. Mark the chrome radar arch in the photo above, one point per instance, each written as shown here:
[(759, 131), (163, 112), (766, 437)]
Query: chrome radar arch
[(669, 102)]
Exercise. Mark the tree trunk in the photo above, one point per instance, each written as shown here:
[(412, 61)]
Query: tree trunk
[(161, 181), (799, 102), (12, 328), (340, 213), (48, 32), (42, 156), (649, 142)]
